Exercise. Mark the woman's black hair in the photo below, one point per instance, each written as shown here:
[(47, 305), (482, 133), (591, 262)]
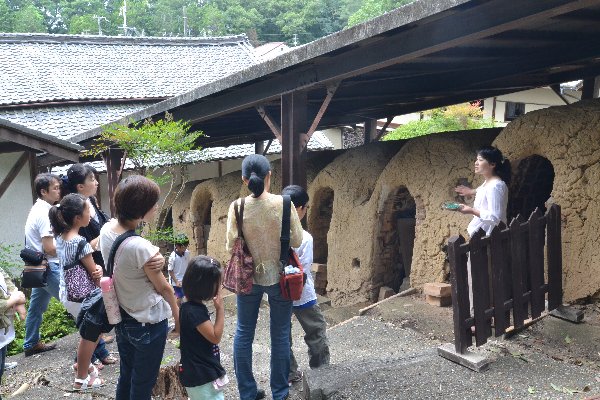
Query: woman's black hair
[(76, 175), (62, 215), (255, 168), (297, 194), (201, 279), (501, 165)]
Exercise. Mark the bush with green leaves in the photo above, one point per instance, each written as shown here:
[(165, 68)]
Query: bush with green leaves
[(57, 323)]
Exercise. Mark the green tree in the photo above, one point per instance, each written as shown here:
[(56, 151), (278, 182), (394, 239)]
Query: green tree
[(83, 24), (29, 20), (6, 17), (452, 118), (374, 8)]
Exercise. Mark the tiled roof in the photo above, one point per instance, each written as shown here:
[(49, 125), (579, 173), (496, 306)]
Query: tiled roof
[(64, 122), (42, 68), (317, 142)]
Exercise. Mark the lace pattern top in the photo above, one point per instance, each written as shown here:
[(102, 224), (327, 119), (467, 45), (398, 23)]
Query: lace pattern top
[(491, 201), (262, 232)]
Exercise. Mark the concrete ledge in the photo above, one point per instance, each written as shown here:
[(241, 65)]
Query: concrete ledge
[(568, 314), (473, 361)]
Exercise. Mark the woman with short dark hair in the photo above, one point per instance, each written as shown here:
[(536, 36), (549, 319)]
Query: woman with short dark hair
[(145, 297)]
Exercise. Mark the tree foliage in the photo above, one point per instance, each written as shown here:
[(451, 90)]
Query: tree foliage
[(452, 118), (158, 150), (292, 21)]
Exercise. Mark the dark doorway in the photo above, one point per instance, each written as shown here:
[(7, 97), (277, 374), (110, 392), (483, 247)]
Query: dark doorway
[(319, 221), (531, 186)]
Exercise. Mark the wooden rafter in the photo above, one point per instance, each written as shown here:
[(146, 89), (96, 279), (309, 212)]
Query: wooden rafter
[(14, 171), (383, 128), (331, 89), (273, 125), (38, 144)]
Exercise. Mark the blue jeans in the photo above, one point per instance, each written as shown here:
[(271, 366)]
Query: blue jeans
[(38, 304), (141, 348), (280, 318)]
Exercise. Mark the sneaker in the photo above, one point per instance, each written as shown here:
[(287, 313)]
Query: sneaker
[(260, 394), (294, 377), (40, 347), (10, 365)]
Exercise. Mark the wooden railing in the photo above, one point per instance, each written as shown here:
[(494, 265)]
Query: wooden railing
[(508, 273)]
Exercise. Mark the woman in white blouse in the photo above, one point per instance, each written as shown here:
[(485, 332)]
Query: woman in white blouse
[(491, 198)]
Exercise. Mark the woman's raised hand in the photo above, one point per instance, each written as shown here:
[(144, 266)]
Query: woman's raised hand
[(465, 191), (218, 299), (97, 274)]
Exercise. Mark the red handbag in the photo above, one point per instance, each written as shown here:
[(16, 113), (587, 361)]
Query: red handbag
[(239, 272), (291, 284)]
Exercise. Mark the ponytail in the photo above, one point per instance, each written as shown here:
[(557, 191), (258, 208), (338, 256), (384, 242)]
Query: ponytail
[(63, 214), (504, 171), (255, 168)]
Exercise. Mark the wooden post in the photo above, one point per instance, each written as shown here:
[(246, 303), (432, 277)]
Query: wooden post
[(293, 125), (499, 265), (370, 130), (517, 249), (460, 294), (113, 158), (554, 254), (536, 262), (480, 286)]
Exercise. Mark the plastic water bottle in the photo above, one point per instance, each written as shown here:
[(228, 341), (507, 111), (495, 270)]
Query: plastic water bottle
[(111, 304)]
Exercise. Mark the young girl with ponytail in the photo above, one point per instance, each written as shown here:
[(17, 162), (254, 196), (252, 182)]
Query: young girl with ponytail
[(262, 218), (66, 218)]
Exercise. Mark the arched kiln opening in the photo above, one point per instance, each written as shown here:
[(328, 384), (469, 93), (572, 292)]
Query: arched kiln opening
[(531, 186), (396, 237), (202, 221), (319, 222)]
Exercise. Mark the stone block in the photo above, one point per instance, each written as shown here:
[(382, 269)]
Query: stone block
[(385, 292), (474, 361), (438, 289), (438, 301)]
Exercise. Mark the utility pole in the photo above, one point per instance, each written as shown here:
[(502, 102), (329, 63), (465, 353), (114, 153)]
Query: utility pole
[(185, 28), (99, 18), (295, 39), (124, 12)]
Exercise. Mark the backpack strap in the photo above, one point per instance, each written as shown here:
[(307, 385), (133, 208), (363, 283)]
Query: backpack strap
[(285, 231), (75, 261), (111, 258), (239, 216)]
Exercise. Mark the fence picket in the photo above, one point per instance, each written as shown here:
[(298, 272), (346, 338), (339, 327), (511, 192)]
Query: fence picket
[(460, 294), (517, 251), (480, 280), (499, 266), (536, 262), (554, 254)]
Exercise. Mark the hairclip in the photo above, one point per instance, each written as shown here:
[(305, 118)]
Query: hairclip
[(58, 205)]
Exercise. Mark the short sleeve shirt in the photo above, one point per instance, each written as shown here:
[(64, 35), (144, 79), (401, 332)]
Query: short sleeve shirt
[(135, 292), (67, 249), (200, 359), (178, 264), (38, 227)]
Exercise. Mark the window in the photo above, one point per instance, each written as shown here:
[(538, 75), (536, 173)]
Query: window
[(513, 110)]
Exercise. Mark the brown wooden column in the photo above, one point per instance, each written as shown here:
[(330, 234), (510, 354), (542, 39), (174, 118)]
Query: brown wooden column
[(113, 158), (293, 126), (370, 130), (590, 89)]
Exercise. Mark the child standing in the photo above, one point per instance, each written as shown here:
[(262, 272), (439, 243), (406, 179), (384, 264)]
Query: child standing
[(66, 218), (178, 262), (306, 310), (201, 372)]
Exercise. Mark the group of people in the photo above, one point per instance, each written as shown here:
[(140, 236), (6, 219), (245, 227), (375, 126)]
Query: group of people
[(67, 225)]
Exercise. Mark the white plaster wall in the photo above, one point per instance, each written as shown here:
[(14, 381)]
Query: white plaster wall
[(534, 99), (335, 137), (16, 201)]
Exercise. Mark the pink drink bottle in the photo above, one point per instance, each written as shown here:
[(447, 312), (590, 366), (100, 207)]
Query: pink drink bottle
[(110, 300)]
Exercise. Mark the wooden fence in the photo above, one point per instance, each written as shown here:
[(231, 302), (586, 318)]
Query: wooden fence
[(508, 273)]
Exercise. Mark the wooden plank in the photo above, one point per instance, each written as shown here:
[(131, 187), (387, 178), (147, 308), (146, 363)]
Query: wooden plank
[(9, 147), (271, 123), (460, 294), (536, 261), (480, 286), (554, 255), (14, 171), (517, 249), (39, 144), (507, 272), (499, 263), (33, 171), (331, 89)]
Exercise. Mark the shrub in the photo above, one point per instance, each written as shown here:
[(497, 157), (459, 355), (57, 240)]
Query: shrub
[(57, 323)]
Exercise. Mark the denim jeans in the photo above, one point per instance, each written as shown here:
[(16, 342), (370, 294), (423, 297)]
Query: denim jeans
[(141, 348), (38, 304), (280, 318)]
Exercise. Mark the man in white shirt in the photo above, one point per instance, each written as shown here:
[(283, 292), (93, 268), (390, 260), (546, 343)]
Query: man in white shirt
[(39, 237), (178, 263)]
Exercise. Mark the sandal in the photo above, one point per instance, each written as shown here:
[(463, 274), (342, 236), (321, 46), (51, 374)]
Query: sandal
[(92, 370), (85, 383), (109, 360)]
